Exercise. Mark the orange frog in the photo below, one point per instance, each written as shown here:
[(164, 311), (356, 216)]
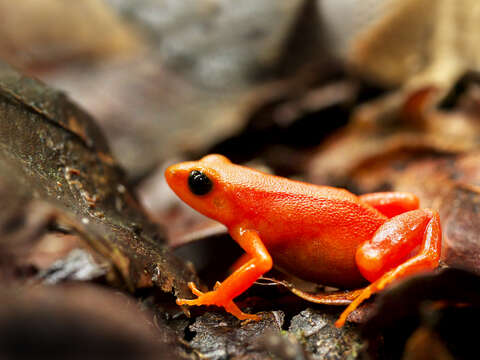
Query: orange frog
[(318, 233)]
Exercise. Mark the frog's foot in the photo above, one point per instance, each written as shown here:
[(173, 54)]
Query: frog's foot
[(207, 298), (364, 295), (368, 291), (213, 298)]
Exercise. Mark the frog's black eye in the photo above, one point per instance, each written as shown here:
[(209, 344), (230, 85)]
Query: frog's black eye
[(199, 183)]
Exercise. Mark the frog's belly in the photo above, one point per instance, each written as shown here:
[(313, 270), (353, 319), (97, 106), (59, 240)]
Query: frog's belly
[(322, 260)]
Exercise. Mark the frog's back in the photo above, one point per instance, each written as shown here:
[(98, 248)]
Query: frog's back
[(264, 196), (311, 231), (248, 181)]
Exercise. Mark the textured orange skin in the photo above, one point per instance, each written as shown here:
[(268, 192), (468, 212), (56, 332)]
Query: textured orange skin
[(318, 233)]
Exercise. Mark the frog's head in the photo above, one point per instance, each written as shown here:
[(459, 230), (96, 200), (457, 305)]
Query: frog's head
[(202, 185)]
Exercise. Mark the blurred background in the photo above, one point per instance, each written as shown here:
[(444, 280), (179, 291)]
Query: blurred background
[(167, 78), (268, 80)]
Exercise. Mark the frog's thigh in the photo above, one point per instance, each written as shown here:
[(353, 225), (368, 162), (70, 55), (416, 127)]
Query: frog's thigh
[(391, 204), (388, 255), (396, 241)]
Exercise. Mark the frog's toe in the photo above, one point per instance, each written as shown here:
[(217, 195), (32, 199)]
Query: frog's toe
[(191, 302), (233, 309), (208, 298), (183, 301), (193, 288)]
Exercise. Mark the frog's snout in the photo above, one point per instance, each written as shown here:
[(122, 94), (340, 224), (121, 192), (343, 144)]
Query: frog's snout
[(173, 175), (170, 174), (178, 173)]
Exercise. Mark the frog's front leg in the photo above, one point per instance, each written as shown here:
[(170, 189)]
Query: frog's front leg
[(381, 260), (391, 204), (243, 277)]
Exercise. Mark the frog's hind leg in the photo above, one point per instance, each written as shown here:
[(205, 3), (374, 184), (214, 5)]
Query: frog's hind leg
[(387, 256), (391, 204)]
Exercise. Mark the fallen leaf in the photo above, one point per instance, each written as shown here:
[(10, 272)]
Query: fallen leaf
[(51, 151)]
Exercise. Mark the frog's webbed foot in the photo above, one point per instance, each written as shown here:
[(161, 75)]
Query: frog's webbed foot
[(214, 298), (202, 298)]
